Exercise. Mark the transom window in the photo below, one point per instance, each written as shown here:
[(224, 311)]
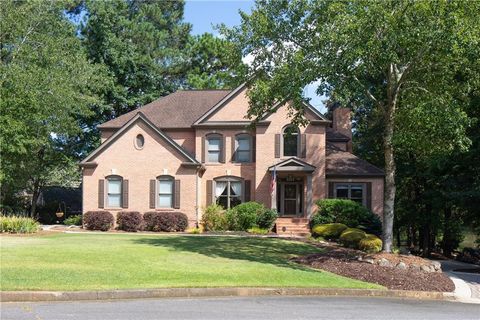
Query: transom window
[(214, 148), (165, 192), (228, 192), (291, 141), (243, 148), (351, 191), (114, 192)]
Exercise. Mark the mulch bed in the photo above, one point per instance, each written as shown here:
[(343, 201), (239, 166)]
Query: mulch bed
[(343, 261)]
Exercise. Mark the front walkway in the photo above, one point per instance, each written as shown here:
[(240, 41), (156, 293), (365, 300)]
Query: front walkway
[(467, 285)]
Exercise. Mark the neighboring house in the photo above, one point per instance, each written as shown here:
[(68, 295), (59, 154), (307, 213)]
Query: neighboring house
[(192, 148)]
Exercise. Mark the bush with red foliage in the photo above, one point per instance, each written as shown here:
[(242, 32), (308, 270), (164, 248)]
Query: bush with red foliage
[(131, 221), (98, 220), (165, 221)]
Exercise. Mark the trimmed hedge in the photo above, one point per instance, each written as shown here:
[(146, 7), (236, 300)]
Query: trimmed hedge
[(371, 244), (329, 230), (348, 212), (131, 221), (213, 218), (351, 237), (98, 220), (165, 221)]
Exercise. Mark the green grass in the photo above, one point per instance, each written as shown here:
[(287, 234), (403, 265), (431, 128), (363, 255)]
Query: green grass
[(96, 262)]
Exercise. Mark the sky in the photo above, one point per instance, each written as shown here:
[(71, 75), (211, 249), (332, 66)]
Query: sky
[(205, 14)]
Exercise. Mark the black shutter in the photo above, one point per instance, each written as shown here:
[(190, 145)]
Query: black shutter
[(247, 191), (369, 195), (125, 193), (331, 190), (209, 192), (277, 145), (176, 204), (152, 194), (203, 151), (303, 146), (101, 193), (254, 149)]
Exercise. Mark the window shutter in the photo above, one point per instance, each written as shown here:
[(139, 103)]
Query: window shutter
[(176, 204), (204, 150), (101, 193), (303, 146), (209, 192), (369, 195), (152, 194), (247, 190), (234, 149), (254, 149), (277, 145), (125, 193), (331, 190), (222, 149)]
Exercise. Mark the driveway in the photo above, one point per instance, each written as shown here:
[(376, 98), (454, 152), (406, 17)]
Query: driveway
[(471, 281), (278, 308)]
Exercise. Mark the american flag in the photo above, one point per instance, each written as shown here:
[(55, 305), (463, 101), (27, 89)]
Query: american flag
[(273, 184)]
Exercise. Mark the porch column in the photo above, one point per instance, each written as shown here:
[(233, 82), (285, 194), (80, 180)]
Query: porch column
[(273, 196), (309, 205)]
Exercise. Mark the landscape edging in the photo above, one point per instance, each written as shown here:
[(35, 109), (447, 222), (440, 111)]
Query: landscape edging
[(33, 296)]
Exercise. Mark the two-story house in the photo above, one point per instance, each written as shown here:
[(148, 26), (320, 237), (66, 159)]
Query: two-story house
[(193, 148)]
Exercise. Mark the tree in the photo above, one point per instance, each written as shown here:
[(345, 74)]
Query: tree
[(213, 63), (46, 83), (400, 57)]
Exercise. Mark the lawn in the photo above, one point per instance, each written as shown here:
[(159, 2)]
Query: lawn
[(120, 261)]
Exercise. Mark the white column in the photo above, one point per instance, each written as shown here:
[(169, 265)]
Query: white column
[(273, 196), (309, 196)]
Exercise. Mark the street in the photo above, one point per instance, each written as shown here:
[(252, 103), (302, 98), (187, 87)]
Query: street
[(277, 308)]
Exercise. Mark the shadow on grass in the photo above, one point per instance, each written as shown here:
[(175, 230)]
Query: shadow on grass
[(263, 250)]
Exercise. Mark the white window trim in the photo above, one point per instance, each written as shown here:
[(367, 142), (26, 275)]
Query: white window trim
[(250, 150), (349, 184), (282, 142), (228, 180), (157, 191), (107, 202), (216, 136)]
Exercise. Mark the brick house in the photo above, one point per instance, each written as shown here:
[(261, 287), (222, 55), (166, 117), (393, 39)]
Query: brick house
[(192, 148)]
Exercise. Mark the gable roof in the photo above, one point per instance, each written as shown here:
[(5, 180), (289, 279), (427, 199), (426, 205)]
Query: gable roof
[(177, 110), (343, 163), (140, 117), (292, 164)]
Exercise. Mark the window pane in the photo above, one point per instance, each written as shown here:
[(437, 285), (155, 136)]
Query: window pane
[(243, 144), (342, 191), (214, 144), (114, 200), (223, 201), (165, 201), (290, 145), (213, 156), (165, 186), (235, 188), (243, 156), (114, 186), (235, 201), (356, 191)]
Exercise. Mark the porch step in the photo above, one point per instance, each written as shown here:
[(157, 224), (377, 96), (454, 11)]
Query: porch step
[(292, 227)]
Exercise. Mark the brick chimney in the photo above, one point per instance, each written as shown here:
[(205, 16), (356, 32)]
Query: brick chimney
[(342, 122)]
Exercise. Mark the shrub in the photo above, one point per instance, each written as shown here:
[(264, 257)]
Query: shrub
[(371, 244), (98, 220), (351, 237), (129, 221), (347, 212), (213, 218), (329, 230), (18, 224), (258, 230), (165, 221), (195, 231), (75, 220), (266, 219), (244, 216)]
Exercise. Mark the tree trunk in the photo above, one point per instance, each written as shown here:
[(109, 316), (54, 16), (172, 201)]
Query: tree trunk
[(35, 195)]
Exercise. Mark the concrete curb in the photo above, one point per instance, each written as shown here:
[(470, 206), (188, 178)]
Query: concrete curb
[(31, 296)]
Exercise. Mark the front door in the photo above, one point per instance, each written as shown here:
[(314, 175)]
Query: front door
[(291, 198)]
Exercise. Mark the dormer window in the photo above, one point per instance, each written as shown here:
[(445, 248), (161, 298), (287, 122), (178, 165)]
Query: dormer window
[(291, 141)]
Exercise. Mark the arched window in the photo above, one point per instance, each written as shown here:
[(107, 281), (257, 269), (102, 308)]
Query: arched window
[(243, 147), (214, 147), (165, 191), (228, 191), (291, 141), (114, 191)]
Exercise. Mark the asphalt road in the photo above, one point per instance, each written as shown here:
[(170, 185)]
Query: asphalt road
[(272, 308)]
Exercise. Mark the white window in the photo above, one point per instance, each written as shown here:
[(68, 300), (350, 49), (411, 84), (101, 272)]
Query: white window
[(214, 148), (165, 192), (114, 192), (351, 191), (291, 141), (243, 151), (228, 192)]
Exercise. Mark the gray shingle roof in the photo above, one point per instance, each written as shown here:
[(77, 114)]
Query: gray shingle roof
[(342, 163)]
